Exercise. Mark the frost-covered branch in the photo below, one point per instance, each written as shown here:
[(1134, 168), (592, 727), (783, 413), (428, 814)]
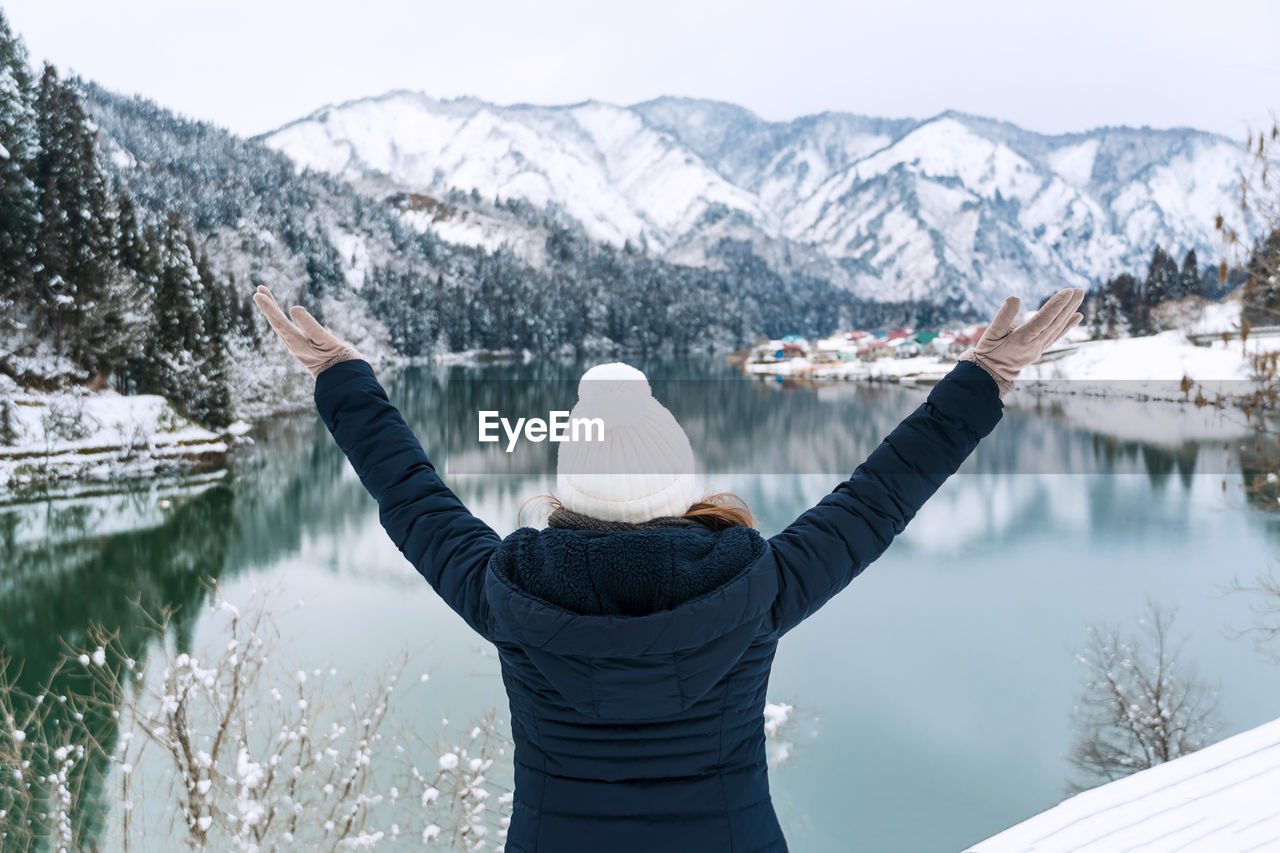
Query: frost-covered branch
[(1141, 705), (232, 749)]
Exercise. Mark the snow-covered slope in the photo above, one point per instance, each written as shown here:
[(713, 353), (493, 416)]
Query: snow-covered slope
[(602, 164), (955, 208)]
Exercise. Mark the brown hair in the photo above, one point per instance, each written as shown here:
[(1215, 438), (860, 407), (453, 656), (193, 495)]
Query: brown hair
[(719, 511)]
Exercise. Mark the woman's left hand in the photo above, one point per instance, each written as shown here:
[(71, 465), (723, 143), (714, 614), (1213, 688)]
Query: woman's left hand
[(309, 342)]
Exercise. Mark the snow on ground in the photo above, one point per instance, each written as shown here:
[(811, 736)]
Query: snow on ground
[(1152, 366), (1217, 317), (1226, 797), (1143, 368), (1129, 388), (1157, 359), (99, 435)]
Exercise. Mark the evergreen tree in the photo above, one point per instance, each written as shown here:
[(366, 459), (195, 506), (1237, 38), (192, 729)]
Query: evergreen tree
[(1163, 282), (1191, 277), (73, 237), (131, 244), (1261, 295), (1120, 300), (179, 325), (18, 146), (185, 359)]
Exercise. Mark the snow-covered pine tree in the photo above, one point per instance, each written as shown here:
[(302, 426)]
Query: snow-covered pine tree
[(211, 401), (115, 294), (1261, 294), (18, 145), (1117, 307), (1161, 284), (73, 235), (1191, 277), (186, 355)]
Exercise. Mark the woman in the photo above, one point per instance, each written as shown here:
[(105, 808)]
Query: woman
[(636, 632)]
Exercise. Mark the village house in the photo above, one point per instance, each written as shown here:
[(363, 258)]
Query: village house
[(868, 345)]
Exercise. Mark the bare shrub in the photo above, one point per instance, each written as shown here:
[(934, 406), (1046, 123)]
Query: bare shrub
[(1141, 705), (234, 751)]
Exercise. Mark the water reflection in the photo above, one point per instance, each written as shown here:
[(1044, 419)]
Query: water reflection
[(1069, 513), (70, 563)]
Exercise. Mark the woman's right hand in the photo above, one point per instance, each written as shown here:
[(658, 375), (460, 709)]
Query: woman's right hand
[(1004, 349), (309, 342)]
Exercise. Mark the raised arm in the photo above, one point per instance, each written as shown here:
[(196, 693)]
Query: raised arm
[(446, 544), (830, 544)]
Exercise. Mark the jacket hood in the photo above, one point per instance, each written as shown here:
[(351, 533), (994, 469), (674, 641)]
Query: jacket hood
[(634, 624)]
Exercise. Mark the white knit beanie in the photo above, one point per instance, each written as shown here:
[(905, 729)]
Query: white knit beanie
[(643, 468)]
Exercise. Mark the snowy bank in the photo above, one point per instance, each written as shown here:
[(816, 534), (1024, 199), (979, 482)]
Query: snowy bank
[(1226, 797), (1205, 348), (1145, 368), (1153, 366), (99, 435)]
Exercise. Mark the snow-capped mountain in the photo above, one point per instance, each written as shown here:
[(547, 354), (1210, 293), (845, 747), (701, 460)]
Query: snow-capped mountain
[(954, 209)]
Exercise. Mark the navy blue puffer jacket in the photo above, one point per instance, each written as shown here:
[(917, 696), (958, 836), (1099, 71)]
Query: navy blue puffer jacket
[(636, 662)]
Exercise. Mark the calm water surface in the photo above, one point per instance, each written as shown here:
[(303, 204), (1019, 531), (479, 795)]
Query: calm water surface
[(933, 695)]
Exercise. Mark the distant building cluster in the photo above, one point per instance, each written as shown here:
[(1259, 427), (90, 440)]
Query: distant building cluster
[(869, 345)]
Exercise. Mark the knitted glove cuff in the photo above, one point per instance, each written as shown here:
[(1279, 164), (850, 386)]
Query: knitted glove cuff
[(1005, 385)]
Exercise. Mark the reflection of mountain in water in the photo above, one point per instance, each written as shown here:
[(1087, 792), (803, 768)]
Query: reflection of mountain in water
[(782, 446), (750, 427)]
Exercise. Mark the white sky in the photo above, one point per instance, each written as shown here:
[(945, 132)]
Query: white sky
[(1052, 67)]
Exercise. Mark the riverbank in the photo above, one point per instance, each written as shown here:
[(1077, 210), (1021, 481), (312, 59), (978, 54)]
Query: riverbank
[(99, 436), (1207, 351)]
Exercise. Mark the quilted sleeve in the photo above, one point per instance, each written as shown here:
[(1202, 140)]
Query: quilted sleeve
[(446, 544), (830, 544)]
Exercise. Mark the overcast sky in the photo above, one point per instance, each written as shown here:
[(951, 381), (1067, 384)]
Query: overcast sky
[(252, 65)]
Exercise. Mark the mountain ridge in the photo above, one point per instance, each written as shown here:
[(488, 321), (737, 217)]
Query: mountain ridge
[(918, 209)]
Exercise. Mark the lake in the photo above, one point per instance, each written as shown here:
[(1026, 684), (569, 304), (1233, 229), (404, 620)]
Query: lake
[(933, 695)]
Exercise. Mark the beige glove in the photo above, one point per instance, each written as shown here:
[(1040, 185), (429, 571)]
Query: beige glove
[(1004, 349), (309, 342)]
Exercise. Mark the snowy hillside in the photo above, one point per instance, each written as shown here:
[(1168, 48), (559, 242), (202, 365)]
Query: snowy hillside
[(954, 209), (602, 164)]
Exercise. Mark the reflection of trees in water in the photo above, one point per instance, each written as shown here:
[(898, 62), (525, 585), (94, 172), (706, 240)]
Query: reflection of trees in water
[(742, 426), (1159, 462), (68, 576), (783, 445), (55, 585), (1260, 472), (291, 483)]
